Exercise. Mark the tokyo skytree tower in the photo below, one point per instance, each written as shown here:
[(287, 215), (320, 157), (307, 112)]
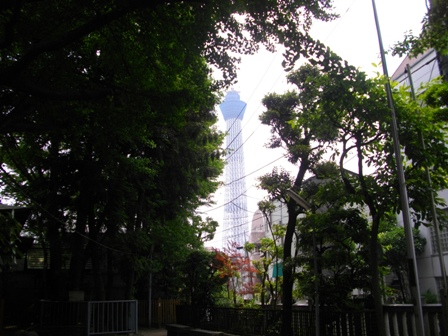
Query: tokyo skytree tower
[(235, 224)]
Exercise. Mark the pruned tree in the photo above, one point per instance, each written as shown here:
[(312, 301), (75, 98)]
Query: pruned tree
[(298, 125), (353, 108)]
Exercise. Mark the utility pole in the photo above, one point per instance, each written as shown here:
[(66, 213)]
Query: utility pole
[(412, 260)]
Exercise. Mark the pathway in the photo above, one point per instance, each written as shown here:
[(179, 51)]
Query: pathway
[(152, 332)]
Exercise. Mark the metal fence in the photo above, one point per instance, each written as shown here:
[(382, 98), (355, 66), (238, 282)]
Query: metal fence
[(112, 317), (89, 317)]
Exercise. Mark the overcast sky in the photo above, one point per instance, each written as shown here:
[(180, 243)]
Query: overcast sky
[(353, 36)]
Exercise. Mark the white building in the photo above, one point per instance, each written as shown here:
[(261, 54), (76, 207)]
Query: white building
[(424, 68)]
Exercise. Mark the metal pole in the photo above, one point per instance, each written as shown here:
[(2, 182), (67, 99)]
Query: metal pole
[(443, 293), (316, 287), (412, 260)]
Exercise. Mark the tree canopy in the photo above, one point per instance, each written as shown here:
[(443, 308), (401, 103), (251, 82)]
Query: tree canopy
[(106, 123)]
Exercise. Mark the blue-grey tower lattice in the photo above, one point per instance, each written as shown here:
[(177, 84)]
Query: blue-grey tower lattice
[(235, 224)]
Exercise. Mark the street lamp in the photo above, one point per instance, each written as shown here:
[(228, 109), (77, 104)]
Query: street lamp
[(299, 200), (307, 206)]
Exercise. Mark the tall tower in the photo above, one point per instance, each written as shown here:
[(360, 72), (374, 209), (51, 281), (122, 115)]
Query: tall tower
[(235, 209)]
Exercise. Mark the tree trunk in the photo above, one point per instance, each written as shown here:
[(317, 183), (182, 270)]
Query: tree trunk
[(110, 275), (375, 254), (97, 264), (77, 262), (56, 279), (130, 284), (288, 280)]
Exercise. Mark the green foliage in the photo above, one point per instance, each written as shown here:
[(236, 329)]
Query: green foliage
[(433, 34), (355, 113), (435, 94), (338, 237), (126, 169), (269, 254), (201, 281), (394, 245), (105, 117), (430, 297), (422, 134), (218, 30), (275, 183)]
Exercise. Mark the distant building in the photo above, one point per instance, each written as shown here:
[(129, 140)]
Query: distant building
[(235, 223), (424, 68)]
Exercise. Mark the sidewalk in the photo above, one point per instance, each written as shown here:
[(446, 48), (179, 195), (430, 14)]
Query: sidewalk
[(152, 332)]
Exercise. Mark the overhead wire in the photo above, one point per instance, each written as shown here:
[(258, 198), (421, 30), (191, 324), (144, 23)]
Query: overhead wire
[(244, 126), (220, 206), (245, 105), (274, 83)]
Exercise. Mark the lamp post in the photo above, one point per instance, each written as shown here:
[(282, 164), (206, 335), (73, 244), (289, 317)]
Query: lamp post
[(412, 260), (307, 206)]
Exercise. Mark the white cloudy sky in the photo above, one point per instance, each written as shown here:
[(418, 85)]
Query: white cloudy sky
[(353, 36)]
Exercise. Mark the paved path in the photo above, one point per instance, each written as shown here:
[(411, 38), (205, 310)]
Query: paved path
[(152, 332)]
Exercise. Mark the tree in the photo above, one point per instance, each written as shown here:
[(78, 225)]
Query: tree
[(9, 251), (202, 280), (297, 125), (270, 252), (71, 51), (105, 118), (354, 110), (100, 174), (335, 236), (239, 271)]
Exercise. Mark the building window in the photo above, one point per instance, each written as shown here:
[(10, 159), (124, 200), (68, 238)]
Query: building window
[(443, 240)]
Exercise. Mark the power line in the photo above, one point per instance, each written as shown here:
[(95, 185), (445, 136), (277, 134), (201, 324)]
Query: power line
[(243, 193), (248, 100)]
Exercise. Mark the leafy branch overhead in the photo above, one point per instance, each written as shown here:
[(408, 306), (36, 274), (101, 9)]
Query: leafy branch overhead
[(101, 43)]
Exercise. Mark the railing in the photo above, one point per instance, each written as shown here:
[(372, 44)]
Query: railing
[(91, 318), (349, 323), (267, 321), (112, 317), (55, 314), (399, 321)]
